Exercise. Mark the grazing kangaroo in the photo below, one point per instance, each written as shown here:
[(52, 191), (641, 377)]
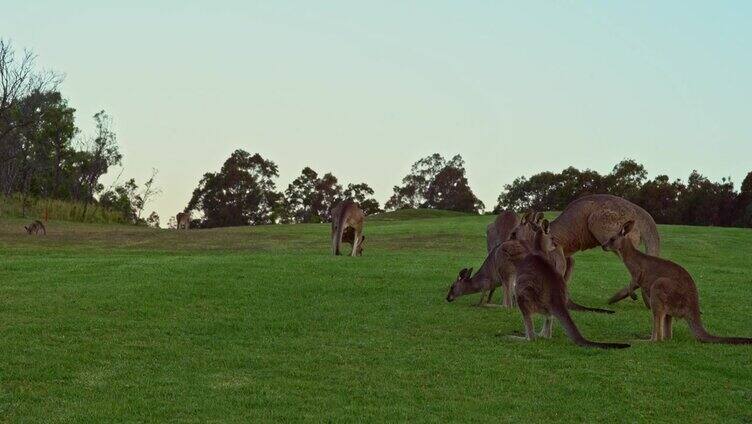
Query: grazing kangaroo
[(590, 221), (496, 271), (501, 229), (35, 227), (347, 214), (184, 220), (541, 289), (669, 289)]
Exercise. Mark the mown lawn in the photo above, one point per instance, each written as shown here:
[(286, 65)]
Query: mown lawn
[(119, 324)]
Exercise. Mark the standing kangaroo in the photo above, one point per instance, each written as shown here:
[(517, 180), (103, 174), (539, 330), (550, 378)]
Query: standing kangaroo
[(590, 221), (347, 214), (500, 230), (184, 220), (668, 288), (35, 227), (528, 233), (541, 289)]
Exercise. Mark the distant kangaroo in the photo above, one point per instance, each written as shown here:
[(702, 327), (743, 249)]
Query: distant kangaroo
[(541, 289), (500, 230), (184, 220), (348, 214), (589, 221), (669, 289), (35, 227)]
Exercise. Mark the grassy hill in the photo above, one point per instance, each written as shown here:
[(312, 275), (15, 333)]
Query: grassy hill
[(120, 323)]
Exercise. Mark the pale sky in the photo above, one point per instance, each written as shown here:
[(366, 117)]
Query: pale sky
[(365, 89)]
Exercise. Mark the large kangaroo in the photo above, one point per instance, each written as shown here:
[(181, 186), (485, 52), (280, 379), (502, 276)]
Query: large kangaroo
[(348, 214), (184, 220), (541, 289), (35, 227), (590, 221), (500, 230), (668, 288)]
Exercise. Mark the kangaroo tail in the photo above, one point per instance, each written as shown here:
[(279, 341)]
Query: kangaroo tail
[(574, 334), (571, 305), (695, 325), (650, 237)]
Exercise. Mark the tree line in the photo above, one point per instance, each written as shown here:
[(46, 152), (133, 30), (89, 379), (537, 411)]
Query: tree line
[(244, 192), (43, 153), (698, 201)]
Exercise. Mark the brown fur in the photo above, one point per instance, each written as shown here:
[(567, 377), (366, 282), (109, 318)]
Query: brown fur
[(669, 289), (347, 214), (184, 220), (501, 229), (496, 271), (35, 227), (531, 233), (589, 221), (541, 289)]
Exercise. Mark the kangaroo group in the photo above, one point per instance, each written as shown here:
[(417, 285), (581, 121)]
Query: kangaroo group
[(531, 258)]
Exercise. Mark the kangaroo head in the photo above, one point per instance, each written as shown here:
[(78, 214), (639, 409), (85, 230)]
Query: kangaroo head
[(460, 285), (543, 240), (526, 230), (617, 242)]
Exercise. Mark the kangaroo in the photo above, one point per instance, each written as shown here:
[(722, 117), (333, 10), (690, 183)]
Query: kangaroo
[(590, 221), (500, 230), (35, 227), (348, 214), (669, 289), (541, 289), (496, 271), (529, 232), (184, 220)]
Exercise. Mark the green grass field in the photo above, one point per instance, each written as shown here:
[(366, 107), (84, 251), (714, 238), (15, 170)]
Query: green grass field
[(102, 323)]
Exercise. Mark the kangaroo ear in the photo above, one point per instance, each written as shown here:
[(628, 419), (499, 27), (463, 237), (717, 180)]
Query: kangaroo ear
[(469, 272), (538, 217), (526, 218), (627, 228), (545, 226), (462, 272)]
